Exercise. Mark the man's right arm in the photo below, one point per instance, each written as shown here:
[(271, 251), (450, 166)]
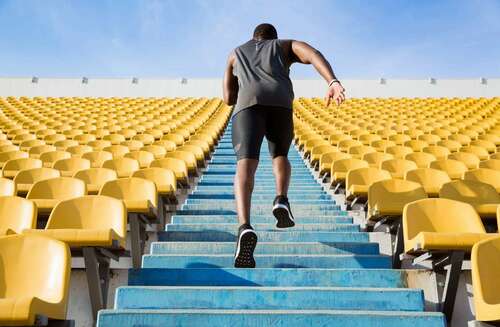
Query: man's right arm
[(306, 54), (230, 83)]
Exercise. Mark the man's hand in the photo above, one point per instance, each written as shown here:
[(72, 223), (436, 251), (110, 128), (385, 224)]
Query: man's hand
[(336, 93)]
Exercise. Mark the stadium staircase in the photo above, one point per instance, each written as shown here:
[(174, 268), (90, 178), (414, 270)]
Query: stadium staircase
[(324, 271)]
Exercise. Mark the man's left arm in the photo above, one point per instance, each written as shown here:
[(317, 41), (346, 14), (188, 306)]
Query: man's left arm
[(230, 83)]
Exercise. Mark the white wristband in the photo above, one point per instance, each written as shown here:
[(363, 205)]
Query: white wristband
[(333, 81)]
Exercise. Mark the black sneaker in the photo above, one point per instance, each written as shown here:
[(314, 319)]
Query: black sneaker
[(247, 241), (282, 212)]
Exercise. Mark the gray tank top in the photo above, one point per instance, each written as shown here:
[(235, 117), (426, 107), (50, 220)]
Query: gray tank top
[(263, 75)]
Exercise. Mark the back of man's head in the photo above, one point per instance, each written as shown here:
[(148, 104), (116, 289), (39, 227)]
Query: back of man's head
[(265, 32)]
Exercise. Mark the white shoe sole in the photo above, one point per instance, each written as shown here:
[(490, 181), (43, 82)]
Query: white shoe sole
[(283, 216), (244, 251)]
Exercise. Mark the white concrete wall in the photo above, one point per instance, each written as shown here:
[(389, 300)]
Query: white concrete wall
[(106, 87)]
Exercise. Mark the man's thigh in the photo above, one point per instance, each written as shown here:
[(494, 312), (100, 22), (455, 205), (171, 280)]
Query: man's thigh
[(248, 130), (279, 131)]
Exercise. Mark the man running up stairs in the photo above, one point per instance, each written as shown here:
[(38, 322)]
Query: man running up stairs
[(322, 272)]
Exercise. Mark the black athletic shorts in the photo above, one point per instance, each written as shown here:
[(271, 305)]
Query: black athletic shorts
[(251, 125)]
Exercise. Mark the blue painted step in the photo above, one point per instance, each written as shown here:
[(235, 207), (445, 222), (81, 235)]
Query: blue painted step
[(229, 195), (259, 227), (267, 277), (268, 261), (285, 236), (275, 318), (269, 298), (218, 219), (266, 248)]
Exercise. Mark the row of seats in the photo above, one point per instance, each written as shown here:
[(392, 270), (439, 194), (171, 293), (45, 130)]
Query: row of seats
[(432, 162), (130, 156)]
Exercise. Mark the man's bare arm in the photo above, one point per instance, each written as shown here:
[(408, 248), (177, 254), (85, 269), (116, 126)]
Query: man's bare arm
[(306, 54), (230, 83)]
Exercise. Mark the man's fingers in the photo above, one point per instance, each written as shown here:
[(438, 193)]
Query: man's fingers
[(327, 100)]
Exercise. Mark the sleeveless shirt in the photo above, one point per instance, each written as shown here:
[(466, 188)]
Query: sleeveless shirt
[(263, 75)]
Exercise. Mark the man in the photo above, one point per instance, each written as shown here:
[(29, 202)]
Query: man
[(257, 82)]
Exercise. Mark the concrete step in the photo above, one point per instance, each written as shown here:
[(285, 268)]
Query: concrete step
[(227, 219), (284, 236), (323, 248), (267, 277), (229, 195), (256, 201), (269, 298), (275, 318), (267, 261), (229, 228)]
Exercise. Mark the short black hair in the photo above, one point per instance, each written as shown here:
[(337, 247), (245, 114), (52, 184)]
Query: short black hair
[(265, 31)]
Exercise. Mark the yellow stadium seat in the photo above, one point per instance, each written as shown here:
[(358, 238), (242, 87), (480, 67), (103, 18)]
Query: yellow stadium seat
[(7, 187), (469, 159), (9, 155), (124, 167), (132, 145), (88, 224), (179, 167), (49, 158), (454, 168), (97, 158), (203, 144), (176, 138), (431, 179), (440, 152), (48, 192), (387, 198), (36, 151), (398, 167), (480, 152), (485, 271), (95, 178), (68, 167), (491, 164), (487, 145), (26, 178), (37, 271), (197, 151), (416, 145), (16, 214), (453, 146), (79, 150), (398, 151), (359, 180), (99, 145), (12, 167), (318, 151), (421, 159), (114, 138), (483, 197), (441, 224), (141, 200), (8, 148), (117, 150), (484, 175), (325, 161), (359, 151), (340, 168), (188, 158), (144, 158)]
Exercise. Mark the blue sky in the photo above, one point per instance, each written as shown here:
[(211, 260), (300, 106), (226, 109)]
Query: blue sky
[(191, 38)]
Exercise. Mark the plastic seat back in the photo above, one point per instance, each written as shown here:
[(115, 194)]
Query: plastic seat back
[(36, 267), (178, 166), (96, 176), (7, 187), (441, 216), (398, 167), (485, 271), (454, 168), (144, 158), (17, 214), (33, 175), (491, 164), (68, 167), (160, 176), (421, 159), (12, 167), (366, 176), (132, 189), (185, 156), (60, 188), (90, 212), (470, 191), (431, 179), (124, 167), (49, 158), (388, 197), (484, 175), (469, 159), (97, 158)]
